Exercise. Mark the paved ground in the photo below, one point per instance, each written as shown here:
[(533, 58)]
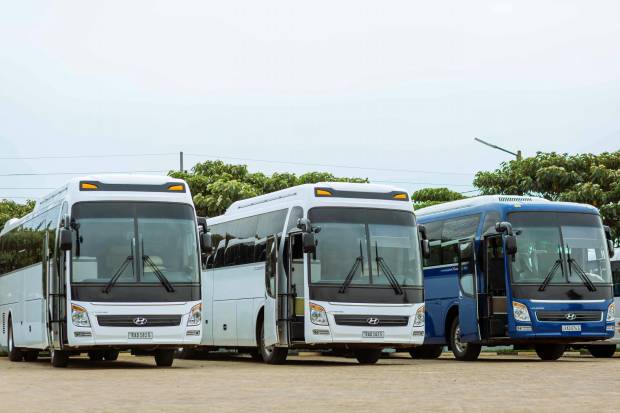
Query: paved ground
[(313, 383)]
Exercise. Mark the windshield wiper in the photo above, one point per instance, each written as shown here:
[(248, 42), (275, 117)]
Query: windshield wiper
[(547, 280), (118, 274), (580, 272), (359, 261), (382, 265), (160, 275)]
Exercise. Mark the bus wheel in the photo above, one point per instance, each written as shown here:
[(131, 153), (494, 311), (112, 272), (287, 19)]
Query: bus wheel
[(31, 356), (95, 355), (549, 352), (59, 358), (164, 358), (255, 354), (367, 356), (271, 354), (110, 355), (602, 351), (15, 354), (426, 352), (462, 351)]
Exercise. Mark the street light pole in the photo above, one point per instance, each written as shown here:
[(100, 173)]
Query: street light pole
[(518, 155)]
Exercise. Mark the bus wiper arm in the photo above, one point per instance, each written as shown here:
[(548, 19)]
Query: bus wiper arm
[(160, 275), (381, 264), (359, 261), (547, 280), (580, 272), (117, 274)]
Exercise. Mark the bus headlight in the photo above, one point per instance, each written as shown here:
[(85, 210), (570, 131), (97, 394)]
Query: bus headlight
[(611, 313), (318, 315), (520, 312), (79, 316), (195, 316), (418, 320)]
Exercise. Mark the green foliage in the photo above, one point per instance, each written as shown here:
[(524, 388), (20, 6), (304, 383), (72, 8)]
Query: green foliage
[(215, 185), (432, 196), (584, 178), (11, 209)]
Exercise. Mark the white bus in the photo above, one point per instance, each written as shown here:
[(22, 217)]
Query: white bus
[(103, 264), (324, 266)]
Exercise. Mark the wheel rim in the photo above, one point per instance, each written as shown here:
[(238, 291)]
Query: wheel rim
[(458, 344)]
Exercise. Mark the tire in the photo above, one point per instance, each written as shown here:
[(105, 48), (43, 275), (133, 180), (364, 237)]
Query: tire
[(429, 352), (602, 351), (95, 355), (367, 356), (31, 356), (164, 358), (15, 354), (59, 358), (550, 352), (110, 355), (255, 354), (462, 351), (271, 354)]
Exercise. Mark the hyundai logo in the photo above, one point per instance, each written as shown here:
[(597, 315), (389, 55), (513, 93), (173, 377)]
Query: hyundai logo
[(373, 321), (571, 316), (140, 321)]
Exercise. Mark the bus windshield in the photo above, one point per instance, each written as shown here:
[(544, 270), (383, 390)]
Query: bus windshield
[(365, 244), (134, 242), (564, 248)]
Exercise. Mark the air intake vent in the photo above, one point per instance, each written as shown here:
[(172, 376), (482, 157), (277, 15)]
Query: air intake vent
[(3, 323), (515, 199)]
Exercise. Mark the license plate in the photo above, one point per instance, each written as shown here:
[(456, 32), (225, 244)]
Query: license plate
[(140, 335), (373, 334), (571, 327)]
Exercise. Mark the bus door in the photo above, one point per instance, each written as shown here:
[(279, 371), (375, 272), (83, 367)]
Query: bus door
[(271, 311), (57, 298), (495, 277), (294, 265), (468, 301)]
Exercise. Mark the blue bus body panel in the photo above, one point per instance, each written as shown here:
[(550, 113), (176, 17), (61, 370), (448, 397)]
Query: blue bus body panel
[(441, 285)]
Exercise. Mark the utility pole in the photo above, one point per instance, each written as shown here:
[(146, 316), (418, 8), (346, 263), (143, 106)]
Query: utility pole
[(181, 161), (518, 155)]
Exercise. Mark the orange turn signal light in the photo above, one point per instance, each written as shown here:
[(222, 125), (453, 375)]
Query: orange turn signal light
[(176, 188), (322, 192), (401, 196), (87, 185)]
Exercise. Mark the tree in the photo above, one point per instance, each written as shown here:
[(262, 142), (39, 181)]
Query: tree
[(433, 196), (215, 185), (584, 178), (11, 209)]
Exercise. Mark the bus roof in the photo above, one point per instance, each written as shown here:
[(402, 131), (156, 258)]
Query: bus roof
[(335, 193), (505, 202), (110, 187)]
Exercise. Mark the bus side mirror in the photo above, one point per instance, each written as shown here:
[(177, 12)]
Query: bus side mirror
[(610, 243), (308, 242), (426, 248), (66, 241), (504, 228), (511, 244), (206, 242)]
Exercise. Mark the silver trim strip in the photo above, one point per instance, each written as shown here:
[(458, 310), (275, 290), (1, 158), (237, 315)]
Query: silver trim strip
[(568, 301)]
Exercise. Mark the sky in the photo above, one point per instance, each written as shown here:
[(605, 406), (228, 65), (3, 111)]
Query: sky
[(395, 91)]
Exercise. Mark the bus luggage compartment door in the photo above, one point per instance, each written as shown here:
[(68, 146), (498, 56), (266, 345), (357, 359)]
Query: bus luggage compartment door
[(468, 303), (270, 318)]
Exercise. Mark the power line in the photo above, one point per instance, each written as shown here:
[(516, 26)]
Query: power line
[(370, 168), (78, 173), (88, 156)]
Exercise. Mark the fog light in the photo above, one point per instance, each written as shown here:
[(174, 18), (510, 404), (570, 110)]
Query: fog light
[(192, 333), (318, 332), (610, 327), (524, 328), (82, 334)]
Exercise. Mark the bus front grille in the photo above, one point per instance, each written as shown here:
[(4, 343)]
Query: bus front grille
[(569, 316), (151, 320), (371, 320)]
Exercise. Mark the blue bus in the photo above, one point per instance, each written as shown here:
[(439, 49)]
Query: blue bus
[(515, 270)]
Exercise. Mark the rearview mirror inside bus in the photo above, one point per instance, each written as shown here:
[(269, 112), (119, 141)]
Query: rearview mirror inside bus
[(65, 239), (309, 243)]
